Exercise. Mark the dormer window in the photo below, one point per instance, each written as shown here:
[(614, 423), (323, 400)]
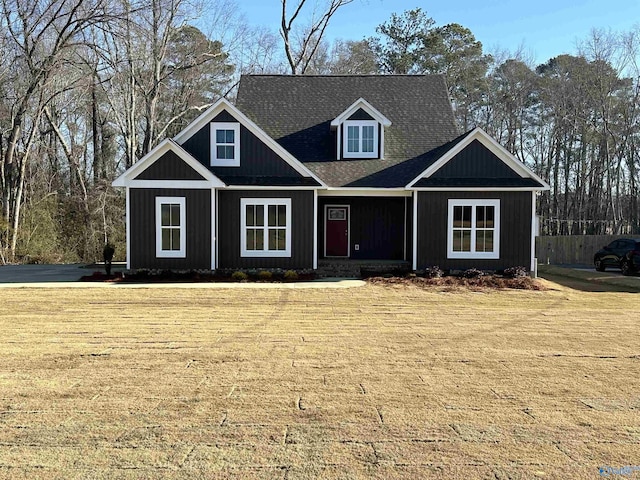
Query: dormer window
[(361, 139), (360, 131), (225, 144)]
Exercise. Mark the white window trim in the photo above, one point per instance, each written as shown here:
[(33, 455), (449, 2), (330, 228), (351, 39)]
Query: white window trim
[(182, 253), (360, 153), (266, 202), (496, 229), (225, 162)]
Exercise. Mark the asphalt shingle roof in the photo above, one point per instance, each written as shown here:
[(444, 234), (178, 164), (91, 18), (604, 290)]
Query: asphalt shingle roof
[(297, 111)]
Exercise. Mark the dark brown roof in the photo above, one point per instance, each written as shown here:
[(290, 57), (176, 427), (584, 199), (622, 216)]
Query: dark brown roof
[(297, 111)]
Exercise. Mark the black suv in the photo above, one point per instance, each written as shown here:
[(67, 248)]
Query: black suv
[(623, 253)]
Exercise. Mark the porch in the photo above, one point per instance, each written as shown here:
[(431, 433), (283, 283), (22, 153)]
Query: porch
[(369, 229), (356, 268)]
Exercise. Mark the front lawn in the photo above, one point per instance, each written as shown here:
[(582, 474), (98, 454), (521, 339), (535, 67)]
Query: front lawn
[(381, 382)]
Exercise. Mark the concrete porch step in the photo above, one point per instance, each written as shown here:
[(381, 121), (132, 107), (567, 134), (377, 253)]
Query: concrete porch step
[(356, 268)]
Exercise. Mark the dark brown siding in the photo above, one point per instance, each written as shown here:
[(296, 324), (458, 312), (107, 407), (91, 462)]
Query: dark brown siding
[(475, 161), (256, 158), (376, 225), (169, 167), (143, 230), (229, 230), (515, 230)]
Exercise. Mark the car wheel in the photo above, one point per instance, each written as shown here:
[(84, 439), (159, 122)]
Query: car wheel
[(599, 265), (626, 268)]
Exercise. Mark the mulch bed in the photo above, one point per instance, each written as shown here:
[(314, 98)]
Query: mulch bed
[(452, 282), (102, 277), (177, 277)]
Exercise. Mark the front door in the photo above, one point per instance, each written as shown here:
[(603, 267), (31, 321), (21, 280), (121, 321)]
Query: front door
[(336, 231)]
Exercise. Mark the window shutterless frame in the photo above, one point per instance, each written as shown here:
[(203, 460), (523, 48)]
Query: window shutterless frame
[(265, 227), (171, 227), (225, 144), (473, 229), (360, 139)]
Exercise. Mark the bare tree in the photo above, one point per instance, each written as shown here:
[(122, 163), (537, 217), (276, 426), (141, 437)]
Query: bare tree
[(41, 35), (301, 53)]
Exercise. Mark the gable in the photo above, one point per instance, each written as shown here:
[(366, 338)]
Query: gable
[(475, 161), (169, 167), (256, 158)]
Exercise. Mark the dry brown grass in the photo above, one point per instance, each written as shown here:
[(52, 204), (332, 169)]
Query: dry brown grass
[(372, 382)]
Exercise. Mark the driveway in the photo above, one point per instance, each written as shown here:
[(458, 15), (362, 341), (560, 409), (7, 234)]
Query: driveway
[(588, 279), (43, 273)]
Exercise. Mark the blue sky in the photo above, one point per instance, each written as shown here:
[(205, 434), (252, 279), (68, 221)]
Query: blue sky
[(546, 28)]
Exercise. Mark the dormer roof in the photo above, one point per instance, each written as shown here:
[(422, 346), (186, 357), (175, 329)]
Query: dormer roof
[(361, 104)]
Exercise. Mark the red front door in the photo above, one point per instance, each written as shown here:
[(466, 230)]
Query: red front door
[(337, 232)]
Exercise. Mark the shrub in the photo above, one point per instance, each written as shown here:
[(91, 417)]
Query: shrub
[(239, 276), (290, 276), (472, 273), (433, 272), (516, 272), (265, 275)]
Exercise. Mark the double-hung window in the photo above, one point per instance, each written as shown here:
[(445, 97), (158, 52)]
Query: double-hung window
[(170, 227), (473, 229), (225, 144), (360, 139), (265, 227)]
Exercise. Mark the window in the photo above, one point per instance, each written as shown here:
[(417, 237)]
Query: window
[(170, 227), (473, 229), (265, 225), (225, 144), (361, 139)]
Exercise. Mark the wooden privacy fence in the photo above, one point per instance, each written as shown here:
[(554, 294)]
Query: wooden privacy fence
[(571, 249)]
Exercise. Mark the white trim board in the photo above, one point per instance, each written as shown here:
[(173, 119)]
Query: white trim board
[(360, 125), (182, 227), (265, 252), (364, 192), (127, 222), (534, 222), (477, 189), (498, 150), (473, 254), (214, 225), (224, 162), (414, 247), (184, 184), (315, 229), (267, 187)]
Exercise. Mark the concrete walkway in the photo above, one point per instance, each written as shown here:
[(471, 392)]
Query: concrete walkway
[(42, 273), (68, 276)]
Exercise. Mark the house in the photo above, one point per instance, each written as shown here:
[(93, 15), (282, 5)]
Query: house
[(308, 168)]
